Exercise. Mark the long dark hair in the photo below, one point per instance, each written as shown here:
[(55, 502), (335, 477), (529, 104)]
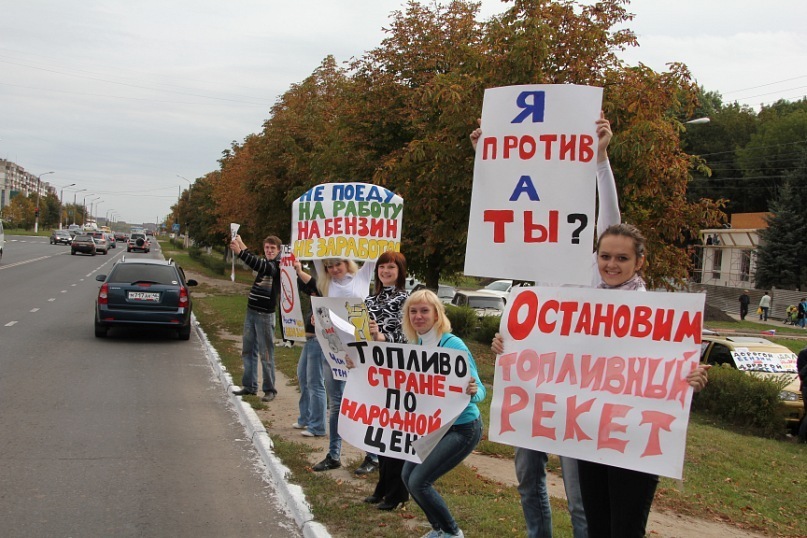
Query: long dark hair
[(398, 259)]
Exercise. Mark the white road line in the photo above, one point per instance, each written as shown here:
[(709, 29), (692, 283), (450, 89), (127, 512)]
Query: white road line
[(10, 323), (51, 299), (34, 310), (64, 291), (9, 266)]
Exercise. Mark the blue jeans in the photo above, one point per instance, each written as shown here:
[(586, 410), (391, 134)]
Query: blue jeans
[(335, 389), (531, 474), (258, 343), (312, 387), (419, 478)]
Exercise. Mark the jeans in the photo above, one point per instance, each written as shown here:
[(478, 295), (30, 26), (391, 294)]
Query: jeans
[(531, 474), (764, 313), (312, 387), (574, 497), (617, 501), (419, 478), (258, 342), (335, 389)]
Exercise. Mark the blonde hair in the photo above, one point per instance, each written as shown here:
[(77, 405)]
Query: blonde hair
[(441, 323), (324, 280)]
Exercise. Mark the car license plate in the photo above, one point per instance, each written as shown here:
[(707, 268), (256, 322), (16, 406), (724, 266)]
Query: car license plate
[(148, 296)]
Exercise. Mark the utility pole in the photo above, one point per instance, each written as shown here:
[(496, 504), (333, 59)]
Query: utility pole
[(36, 211)]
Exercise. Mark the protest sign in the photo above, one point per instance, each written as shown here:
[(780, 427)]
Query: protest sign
[(355, 221), (291, 312), (233, 232), (400, 394), (598, 375), (533, 197), (339, 321)]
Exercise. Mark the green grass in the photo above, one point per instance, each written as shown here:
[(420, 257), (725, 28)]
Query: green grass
[(746, 481)]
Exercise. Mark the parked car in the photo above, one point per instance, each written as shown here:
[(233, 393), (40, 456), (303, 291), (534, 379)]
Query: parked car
[(101, 243), (60, 237), (138, 241), (445, 292), (760, 357), (144, 292), (502, 288), (82, 243), (484, 304)]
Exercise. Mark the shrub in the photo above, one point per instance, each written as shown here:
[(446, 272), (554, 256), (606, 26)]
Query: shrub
[(487, 329), (464, 320), (742, 399), (216, 265)]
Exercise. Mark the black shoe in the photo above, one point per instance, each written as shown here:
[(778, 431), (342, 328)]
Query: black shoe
[(367, 466), (244, 392), (390, 506), (327, 464), (372, 499)]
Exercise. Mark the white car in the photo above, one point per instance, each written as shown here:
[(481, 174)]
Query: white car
[(498, 288), (483, 303)]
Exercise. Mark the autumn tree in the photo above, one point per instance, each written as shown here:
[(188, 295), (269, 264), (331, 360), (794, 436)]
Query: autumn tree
[(19, 213)]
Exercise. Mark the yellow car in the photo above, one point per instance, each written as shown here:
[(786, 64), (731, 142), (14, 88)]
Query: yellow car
[(759, 356)]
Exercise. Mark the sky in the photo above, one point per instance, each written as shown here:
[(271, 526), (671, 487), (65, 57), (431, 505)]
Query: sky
[(131, 101)]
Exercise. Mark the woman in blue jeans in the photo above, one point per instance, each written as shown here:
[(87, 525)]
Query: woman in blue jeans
[(425, 323)]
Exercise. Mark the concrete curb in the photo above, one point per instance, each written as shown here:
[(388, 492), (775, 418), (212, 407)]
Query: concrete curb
[(291, 494)]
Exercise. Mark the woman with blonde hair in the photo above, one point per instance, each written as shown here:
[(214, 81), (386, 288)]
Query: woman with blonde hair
[(425, 323)]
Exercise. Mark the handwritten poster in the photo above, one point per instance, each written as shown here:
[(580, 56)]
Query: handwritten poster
[(598, 375), (534, 189), (356, 221), (290, 310), (399, 394), (339, 321)]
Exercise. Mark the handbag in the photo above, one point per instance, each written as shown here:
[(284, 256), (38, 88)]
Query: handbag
[(759, 310)]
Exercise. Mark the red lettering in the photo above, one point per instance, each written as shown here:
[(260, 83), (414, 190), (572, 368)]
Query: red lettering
[(573, 429), (510, 143), (586, 148), (520, 330), (608, 426), (548, 139), (658, 421), (515, 399), (539, 413), (505, 362), (499, 217)]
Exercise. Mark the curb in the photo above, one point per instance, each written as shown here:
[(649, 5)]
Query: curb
[(292, 495)]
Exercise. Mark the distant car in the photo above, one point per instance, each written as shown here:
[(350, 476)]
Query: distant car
[(82, 243), (445, 292), (502, 288), (138, 241), (74, 229), (484, 304), (60, 237), (760, 357), (101, 244), (110, 239), (121, 236), (144, 292)]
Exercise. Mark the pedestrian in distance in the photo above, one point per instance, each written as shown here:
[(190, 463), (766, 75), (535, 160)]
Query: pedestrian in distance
[(764, 306), (258, 340), (425, 323), (745, 300)]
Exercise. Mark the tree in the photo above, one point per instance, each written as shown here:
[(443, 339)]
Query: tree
[(782, 254), (19, 213)]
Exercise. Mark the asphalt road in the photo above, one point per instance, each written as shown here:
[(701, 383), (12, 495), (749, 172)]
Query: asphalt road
[(125, 436)]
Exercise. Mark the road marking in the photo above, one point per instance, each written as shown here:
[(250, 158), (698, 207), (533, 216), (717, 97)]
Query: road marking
[(34, 310), (9, 266), (64, 291), (73, 285), (51, 299), (10, 323)]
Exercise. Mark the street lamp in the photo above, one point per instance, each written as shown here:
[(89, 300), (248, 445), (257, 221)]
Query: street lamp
[(61, 196), (74, 203), (93, 208), (36, 213), (84, 210), (698, 121)]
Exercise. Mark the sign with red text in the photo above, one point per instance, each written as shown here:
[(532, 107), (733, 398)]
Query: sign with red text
[(400, 394), (534, 190), (339, 321), (291, 313), (355, 221), (598, 375)]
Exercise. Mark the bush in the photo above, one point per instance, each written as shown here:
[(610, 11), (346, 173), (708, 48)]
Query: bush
[(487, 329), (742, 399), (217, 265), (464, 320)]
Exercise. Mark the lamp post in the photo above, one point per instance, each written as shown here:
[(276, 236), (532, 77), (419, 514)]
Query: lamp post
[(698, 121), (187, 228), (36, 213), (74, 203), (84, 210), (93, 208), (61, 196)]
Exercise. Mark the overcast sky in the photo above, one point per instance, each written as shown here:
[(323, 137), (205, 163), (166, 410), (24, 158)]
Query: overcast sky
[(124, 97)]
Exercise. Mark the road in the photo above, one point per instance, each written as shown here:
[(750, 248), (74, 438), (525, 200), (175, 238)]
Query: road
[(125, 436)]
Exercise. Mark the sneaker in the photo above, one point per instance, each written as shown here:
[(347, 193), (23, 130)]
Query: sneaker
[(433, 534), (459, 534), (244, 392), (327, 464), (367, 466), (298, 426), (306, 433), (268, 396)]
